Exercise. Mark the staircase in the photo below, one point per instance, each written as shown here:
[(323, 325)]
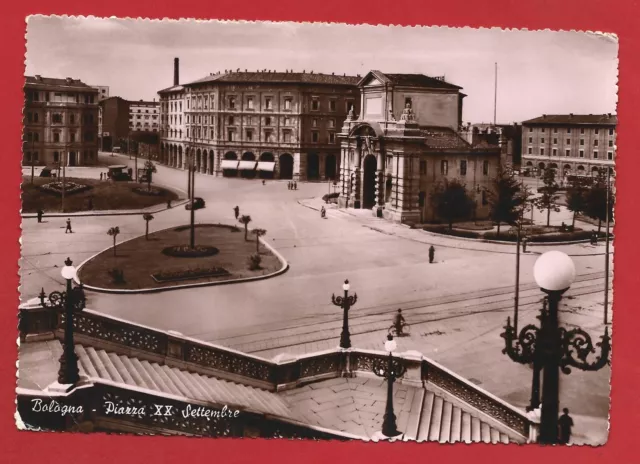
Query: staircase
[(100, 364), (440, 420)]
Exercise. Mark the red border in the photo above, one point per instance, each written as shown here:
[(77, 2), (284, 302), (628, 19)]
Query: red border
[(619, 17)]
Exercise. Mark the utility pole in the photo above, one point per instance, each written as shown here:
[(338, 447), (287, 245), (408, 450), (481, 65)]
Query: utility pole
[(64, 176)]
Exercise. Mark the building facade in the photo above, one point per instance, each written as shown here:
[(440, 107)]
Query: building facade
[(392, 156), (506, 136), (144, 116), (257, 124), (60, 122), (114, 122), (573, 144), (103, 91)]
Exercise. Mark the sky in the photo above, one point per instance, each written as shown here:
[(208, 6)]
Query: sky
[(539, 72)]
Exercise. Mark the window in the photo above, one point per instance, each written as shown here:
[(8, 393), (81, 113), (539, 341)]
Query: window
[(231, 120), (36, 137), (230, 136), (267, 135), (463, 167), (232, 103), (568, 141), (596, 131), (581, 153), (610, 155), (554, 152), (56, 118), (595, 143), (249, 121), (349, 105), (542, 130), (56, 157), (332, 105), (332, 137), (595, 155), (249, 135), (267, 121), (582, 130), (250, 103), (211, 136), (407, 101), (332, 123), (146, 111), (287, 104), (267, 103), (610, 131), (286, 135), (444, 167), (567, 153), (530, 139), (287, 121), (581, 141), (423, 166), (315, 135), (485, 167), (568, 130), (314, 122), (542, 152), (610, 143), (529, 150), (72, 136), (531, 129), (35, 117), (555, 141), (542, 140), (555, 130), (315, 104)]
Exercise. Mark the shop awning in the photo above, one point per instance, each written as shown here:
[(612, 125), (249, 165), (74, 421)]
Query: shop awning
[(229, 164), (247, 165), (268, 166)]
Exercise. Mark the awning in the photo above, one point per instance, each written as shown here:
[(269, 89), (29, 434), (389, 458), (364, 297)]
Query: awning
[(229, 164), (266, 166), (247, 165)]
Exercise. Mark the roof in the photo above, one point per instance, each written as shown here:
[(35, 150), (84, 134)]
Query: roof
[(410, 80), (569, 119), (278, 77), (68, 83), (173, 88), (143, 103), (443, 138)]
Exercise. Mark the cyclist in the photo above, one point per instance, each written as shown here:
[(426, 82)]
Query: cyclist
[(398, 322)]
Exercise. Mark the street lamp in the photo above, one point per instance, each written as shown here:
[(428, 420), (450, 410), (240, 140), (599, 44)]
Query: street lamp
[(71, 301), (345, 303), (551, 347), (389, 369)]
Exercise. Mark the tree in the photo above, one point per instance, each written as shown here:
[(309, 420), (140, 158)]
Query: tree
[(506, 198), (596, 200), (245, 220), (149, 168), (451, 201), (147, 217), (549, 198), (258, 233), (576, 199), (114, 231)]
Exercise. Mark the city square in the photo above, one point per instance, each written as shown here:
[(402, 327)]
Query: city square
[(339, 217)]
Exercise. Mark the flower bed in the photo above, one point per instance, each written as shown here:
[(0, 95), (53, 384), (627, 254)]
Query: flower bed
[(185, 251), (189, 274), (69, 188), (145, 191)]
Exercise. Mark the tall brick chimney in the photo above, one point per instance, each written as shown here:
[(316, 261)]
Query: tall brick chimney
[(176, 71)]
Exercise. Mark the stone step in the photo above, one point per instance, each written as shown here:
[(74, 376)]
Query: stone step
[(413, 422), (425, 417)]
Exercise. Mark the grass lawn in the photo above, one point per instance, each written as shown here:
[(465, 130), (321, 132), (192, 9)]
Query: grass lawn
[(105, 195), (140, 258)]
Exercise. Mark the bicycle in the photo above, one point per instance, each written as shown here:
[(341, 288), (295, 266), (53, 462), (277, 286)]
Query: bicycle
[(406, 330)]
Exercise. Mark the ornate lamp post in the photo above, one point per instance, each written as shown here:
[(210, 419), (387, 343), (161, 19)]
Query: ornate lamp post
[(345, 303), (551, 347), (71, 301), (389, 369)]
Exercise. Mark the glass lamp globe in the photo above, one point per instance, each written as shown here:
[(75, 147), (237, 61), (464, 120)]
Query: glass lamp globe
[(554, 271), (390, 345), (346, 286), (68, 272)]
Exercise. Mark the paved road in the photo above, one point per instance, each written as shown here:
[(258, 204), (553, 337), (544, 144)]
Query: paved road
[(387, 270)]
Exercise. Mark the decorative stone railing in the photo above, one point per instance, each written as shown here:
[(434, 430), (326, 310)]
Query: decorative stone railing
[(283, 372)]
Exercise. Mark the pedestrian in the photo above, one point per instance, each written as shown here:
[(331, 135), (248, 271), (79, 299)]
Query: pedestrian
[(100, 176), (323, 213), (288, 185), (432, 254), (68, 229), (524, 245), (236, 211), (40, 213), (295, 185), (565, 422), (398, 323)]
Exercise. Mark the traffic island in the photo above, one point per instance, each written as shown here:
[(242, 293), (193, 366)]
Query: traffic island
[(90, 194), (165, 260)]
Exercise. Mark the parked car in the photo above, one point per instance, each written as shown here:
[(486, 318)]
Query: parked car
[(46, 172), (198, 203)]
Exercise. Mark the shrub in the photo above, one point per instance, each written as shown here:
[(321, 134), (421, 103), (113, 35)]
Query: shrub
[(327, 197), (254, 262), (443, 229), (185, 251), (117, 276)]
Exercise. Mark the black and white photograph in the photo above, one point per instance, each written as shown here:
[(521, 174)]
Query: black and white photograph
[(317, 231)]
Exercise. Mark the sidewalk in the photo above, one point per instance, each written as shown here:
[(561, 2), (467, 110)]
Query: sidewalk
[(366, 218)]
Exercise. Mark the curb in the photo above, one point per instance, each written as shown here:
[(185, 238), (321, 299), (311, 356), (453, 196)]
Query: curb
[(282, 270), (501, 242)]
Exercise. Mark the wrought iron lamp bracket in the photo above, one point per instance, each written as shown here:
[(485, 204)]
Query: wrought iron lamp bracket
[(576, 345)]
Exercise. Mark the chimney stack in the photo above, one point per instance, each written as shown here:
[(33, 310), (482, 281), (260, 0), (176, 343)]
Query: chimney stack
[(176, 71)]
